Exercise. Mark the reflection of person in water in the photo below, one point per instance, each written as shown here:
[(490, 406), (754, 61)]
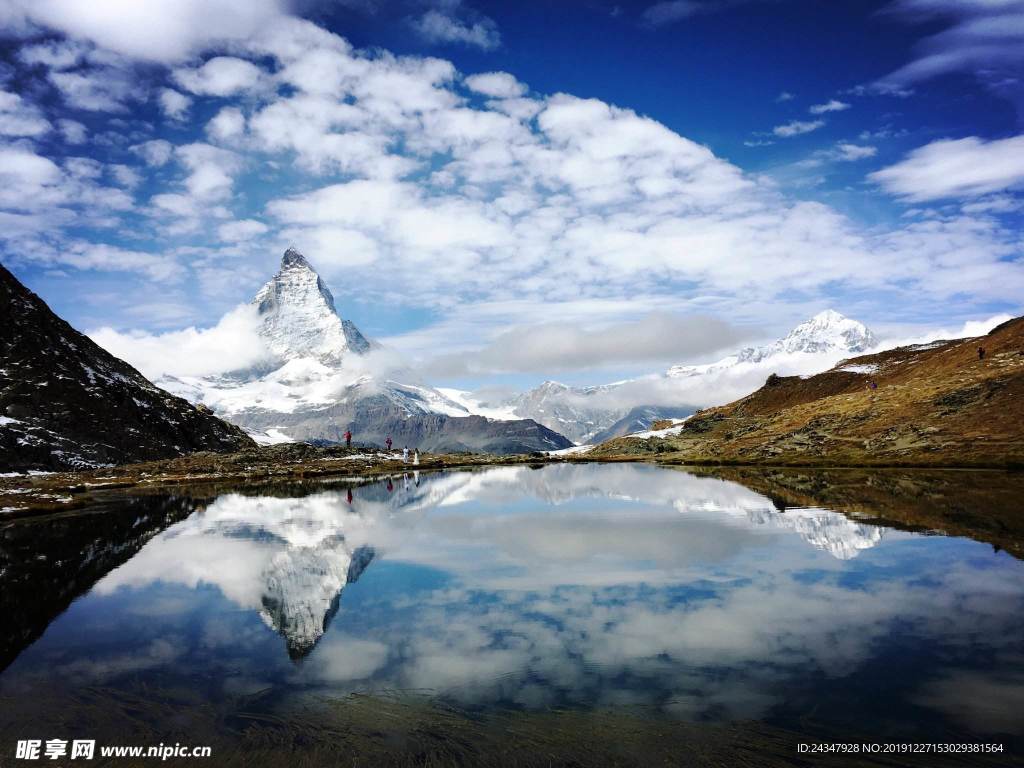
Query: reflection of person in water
[(405, 481), (391, 486), (349, 495), (416, 477)]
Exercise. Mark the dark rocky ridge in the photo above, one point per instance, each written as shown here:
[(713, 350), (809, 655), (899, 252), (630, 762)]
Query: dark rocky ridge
[(374, 418), (66, 403), (640, 419)]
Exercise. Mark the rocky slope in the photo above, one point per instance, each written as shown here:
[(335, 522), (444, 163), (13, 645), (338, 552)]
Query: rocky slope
[(935, 404), (639, 419), (320, 379), (67, 403)]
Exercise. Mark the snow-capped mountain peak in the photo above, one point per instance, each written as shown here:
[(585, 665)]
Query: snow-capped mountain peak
[(298, 317), (829, 330)]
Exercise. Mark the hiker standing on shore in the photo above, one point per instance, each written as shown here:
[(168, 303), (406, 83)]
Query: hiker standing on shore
[(405, 455), (388, 442), (348, 438)]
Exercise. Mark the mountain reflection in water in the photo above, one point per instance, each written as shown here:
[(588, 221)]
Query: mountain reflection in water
[(566, 586)]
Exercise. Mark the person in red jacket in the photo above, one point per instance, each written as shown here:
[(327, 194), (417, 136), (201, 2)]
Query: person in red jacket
[(348, 438)]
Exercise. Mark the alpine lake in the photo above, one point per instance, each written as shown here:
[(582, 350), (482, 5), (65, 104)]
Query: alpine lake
[(559, 614)]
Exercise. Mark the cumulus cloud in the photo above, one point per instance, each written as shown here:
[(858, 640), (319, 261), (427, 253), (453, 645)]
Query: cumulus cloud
[(558, 347), (174, 104), (797, 127), (498, 85), (155, 152), (227, 124), (158, 30), (443, 25), (211, 170), (246, 229), (968, 330), (100, 256), (832, 105), (851, 152), (955, 168), (72, 131), (220, 76), (481, 202), (19, 118), (106, 89), (232, 344)]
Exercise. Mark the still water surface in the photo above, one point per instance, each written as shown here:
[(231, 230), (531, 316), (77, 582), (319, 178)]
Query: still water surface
[(613, 588)]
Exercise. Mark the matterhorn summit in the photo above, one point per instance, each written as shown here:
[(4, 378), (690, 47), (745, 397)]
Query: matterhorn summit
[(322, 379), (298, 317)]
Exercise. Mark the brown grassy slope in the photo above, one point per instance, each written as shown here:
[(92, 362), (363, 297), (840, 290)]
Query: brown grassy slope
[(982, 505), (935, 405)]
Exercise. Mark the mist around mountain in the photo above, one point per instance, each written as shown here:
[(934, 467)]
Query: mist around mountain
[(597, 413), (67, 403), (317, 376), (944, 403)]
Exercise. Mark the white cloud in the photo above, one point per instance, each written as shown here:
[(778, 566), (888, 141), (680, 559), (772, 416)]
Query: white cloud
[(26, 177), (443, 26), (72, 131), (105, 89), (498, 85), (969, 329), (155, 152), (227, 124), (558, 347), (54, 54), (981, 37), (797, 127), (173, 104), (245, 229), (211, 170), (157, 30), (100, 256), (486, 210), (232, 344), (852, 152), (19, 118), (830, 106), (125, 175), (955, 168), (784, 96), (220, 76)]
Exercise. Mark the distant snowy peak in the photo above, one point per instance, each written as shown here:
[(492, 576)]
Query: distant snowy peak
[(298, 317), (827, 333)]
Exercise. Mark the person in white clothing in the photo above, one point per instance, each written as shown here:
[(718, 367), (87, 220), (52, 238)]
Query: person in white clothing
[(405, 455)]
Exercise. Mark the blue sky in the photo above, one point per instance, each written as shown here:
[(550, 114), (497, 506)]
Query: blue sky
[(463, 172)]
